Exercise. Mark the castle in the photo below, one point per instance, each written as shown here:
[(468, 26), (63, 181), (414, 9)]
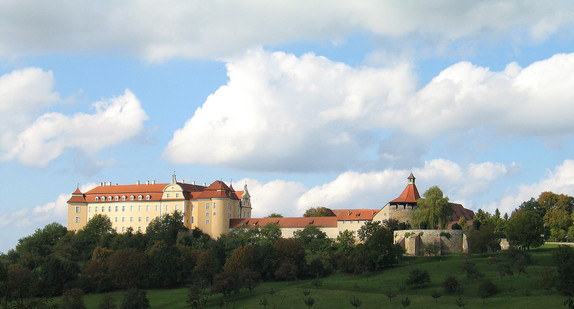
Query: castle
[(217, 208), (208, 208)]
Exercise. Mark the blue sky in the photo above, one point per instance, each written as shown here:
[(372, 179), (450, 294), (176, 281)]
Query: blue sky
[(310, 104)]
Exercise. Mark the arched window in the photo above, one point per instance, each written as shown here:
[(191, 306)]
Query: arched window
[(123, 197), (109, 198), (117, 198), (132, 198), (140, 197), (97, 198), (148, 197), (103, 198)]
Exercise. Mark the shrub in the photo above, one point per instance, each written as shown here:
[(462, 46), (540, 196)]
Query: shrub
[(446, 235), (418, 278), (450, 284), (486, 289)]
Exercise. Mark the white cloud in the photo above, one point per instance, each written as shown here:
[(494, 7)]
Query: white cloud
[(282, 112), (277, 196), (32, 217), (113, 121), (161, 30), (560, 181)]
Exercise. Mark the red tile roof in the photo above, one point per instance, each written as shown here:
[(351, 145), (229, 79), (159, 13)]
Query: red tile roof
[(355, 214), (410, 195), (299, 222), (460, 211), (218, 189)]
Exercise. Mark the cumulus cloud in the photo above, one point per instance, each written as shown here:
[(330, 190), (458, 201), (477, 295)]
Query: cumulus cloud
[(162, 30), (276, 196), (283, 112), (560, 181), (113, 121)]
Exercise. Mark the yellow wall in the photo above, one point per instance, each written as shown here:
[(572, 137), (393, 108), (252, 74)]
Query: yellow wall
[(77, 216)]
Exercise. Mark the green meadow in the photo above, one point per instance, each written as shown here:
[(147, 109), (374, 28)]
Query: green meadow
[(336, 290)]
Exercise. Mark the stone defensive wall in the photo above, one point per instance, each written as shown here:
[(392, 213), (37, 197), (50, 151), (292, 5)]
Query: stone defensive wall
[(444, 241)]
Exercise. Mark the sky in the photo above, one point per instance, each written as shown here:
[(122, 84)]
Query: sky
[(322, 103)]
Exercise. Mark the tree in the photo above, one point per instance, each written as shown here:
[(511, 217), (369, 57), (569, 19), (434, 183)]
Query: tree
[(450, 284), (249, 279), (166, 228), (355, 302), (196, 298), (313, 239), (405, 302), (471, 271), (242, 258), (289, 254), (525, 229), (546, 278), (483, 240), (418, 278), (126, 268), (318, 212), (73, 299), (43, 240), (135, 299), (486, 289), (163, 265), (564, 258), (275, 215), (434, 209), (368, 229), (390, 293), (225, 283), (436, 295)]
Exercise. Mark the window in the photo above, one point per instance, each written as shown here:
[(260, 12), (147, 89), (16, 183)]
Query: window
[(117, 198), (206, 206), (123, 197), (146, 219), (103, 208), (140, 208), (214, 205), (177, 195), (116, 229), (131, 219), (192, 219), (156, 208), (148, 197), (116, 208), (109, 208), (123, 219), (96, 209), (214, 214), (103, 198), (229, 206), (89, 218), (116, 219), (166, 207), (139, 228), (90, 208), (139, 219), (207, 214), (140, 197), (176, 208), (123, 208), (168, 195), (109, 198), (132, 198), (97, 198), (77, 219), (123, 229), (146, 207), (131, 208), (207, 221)]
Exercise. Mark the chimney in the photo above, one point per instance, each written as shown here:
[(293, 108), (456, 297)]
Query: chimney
[(147, 182), (193, 182), (138, 182), (348, 212), (109, 183), (153, 182)]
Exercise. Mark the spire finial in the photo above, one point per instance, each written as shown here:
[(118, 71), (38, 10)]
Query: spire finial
[(173, 178)]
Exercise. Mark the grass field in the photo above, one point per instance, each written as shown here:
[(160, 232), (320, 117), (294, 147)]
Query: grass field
[(336, 290)]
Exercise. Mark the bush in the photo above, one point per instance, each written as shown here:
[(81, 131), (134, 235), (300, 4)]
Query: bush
[(486, 288), (418, 278), (73, 299), (450, 284)]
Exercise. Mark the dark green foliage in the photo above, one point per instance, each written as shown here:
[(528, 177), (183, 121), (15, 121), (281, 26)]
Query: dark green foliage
[(163, 265), (55, 273), (547, 278), (460, 302), (471, 272), (433, 209), (525, 229), (73, 299), (390, 293), (225, 283), (564, 259), (165, 228), (405, 302), (318, 212), (486, 289), (436, 295), (368, 229), (196, 297), (249, 279), (313, 239), (377, 252), (450, 284), (484, 240), (309, 301), (135, 299), (127, 268), (355, 302), (418, 278)]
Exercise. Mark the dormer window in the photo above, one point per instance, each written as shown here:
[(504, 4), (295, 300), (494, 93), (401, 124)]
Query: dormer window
[(123, 197), (103, 198), (109, 198), (168, 195), (97, 199), (140, 197), (148, 197), (132, 198), (117, 198)]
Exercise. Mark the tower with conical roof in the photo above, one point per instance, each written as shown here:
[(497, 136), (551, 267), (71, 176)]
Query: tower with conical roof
[(401, 208)]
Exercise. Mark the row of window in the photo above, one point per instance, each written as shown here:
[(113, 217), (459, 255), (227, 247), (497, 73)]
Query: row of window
[(116, 208), (117, 198)]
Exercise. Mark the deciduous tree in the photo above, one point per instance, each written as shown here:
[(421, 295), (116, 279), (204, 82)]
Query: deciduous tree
[(434, 209)]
